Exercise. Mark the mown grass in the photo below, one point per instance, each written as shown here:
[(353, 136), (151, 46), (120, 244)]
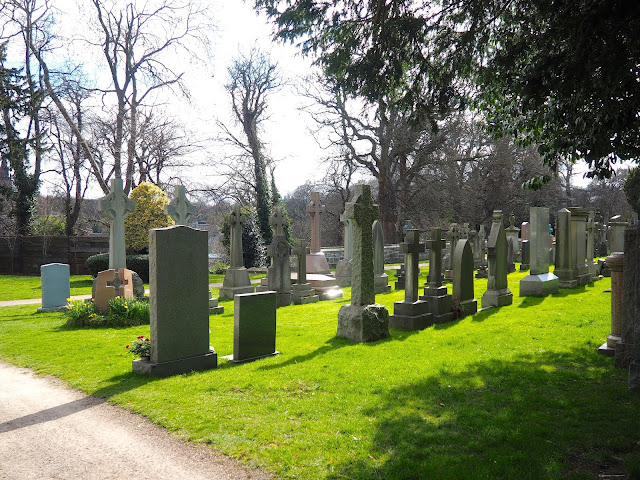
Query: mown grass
[(18, 287), (517, 392)]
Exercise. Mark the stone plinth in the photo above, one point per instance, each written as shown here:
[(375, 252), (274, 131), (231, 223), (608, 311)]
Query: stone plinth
[(302, 292), (236, 282), (411, 315), (325, 286), (254, 326), (363, 323), (56, 290), (236, 278), (539, 285), (214, 308), (616, 264)]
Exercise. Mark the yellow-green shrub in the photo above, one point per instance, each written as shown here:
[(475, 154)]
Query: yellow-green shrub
[(149, 213)]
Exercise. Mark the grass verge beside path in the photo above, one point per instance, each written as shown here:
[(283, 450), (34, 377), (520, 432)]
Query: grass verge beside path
[(517, 392), (19, 287)]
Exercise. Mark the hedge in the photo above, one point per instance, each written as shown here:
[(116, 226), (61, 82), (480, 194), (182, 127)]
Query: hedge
[(138, 263)]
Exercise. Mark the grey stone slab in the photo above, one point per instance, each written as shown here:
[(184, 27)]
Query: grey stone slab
[(539, 285), (411, 315), (615, 233), (54, 282), (363, 323), (254, 326)]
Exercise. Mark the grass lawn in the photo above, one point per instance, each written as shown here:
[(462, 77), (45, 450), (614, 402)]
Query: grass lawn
[(18, 287), (512, 393)]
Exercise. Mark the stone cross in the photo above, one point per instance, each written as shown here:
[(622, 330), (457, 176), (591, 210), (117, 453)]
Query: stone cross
[(454, 236), (435, 245), (301, 250), (412, 248), (277, 221), (116, 205), (180, 208), (362, 211), (236, 219), (315, 208), (348, 237)]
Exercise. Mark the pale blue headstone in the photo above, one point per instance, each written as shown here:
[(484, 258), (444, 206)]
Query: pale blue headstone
[(54, 279)]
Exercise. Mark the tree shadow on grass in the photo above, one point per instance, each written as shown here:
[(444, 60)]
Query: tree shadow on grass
[(546, 415)]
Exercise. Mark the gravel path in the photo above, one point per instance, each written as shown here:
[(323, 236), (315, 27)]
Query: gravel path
[(49, 431)]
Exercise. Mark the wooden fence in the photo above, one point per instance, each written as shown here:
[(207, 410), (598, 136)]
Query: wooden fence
[(25, 255)]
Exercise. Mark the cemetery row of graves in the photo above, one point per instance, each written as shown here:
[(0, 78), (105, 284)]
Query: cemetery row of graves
[(487, 355)]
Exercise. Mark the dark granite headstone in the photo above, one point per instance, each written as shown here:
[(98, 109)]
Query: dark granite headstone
[(254, 326)]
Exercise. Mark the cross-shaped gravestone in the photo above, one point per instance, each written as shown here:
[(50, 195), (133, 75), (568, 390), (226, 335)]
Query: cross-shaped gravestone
[(435, 245), (277, 221), (116, 205), (301, 250), (180, 208), (412, 248), (348, 237), (236, 219), (362, 211), (315, 208)]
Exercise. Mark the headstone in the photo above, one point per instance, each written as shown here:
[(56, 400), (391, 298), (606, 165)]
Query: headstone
[(581, 271), (116, 205), (110, 284), (482, 272), (179, 310), (525, 254), (55, 287), (236, 278), (279, 272), (435, 294), (453, 235), (400, 273), (316, 260), (512, 232), (301, 291), (511, 265), (254, 326), (475, 248), (412, 314), (363, 320), (462, 295), (343, 269), (524, 231), (591, 243), (616, 229), (214, 308), (628, 350), (616, 264), (180, 208), (381, 279), (497, 293), (540, 282), (564, 251)]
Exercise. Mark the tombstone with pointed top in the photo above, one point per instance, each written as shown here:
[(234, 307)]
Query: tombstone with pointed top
[(301, 291), (482, 240), (116, 205), (279, 272), (579, 245), (540, 282), (363, 320), (343, 269), (381, 279), (236, 278), (462, 292), (180, 208), (564, 251), (412, 313), (316, 260), (435, 294), (498, 293), (400, 273), (55, 287)]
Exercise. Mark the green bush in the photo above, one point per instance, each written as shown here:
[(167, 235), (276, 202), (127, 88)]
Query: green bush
[(82, 313), (53, 225), (218, 268), (149, 213), (138, 263)]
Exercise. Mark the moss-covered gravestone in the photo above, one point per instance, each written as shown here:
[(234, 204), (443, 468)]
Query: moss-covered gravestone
[(498, 293), (363, 320), (179, 305), (463, 295)]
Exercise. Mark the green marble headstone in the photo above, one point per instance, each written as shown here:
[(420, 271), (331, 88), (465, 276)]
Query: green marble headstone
[(254, 326)]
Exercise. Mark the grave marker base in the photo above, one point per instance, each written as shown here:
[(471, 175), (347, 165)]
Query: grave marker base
[(381, 283), (411, 316), (176, 367), (539, 285), (244, 360), (366, 323), (62, 308), (497, 298)]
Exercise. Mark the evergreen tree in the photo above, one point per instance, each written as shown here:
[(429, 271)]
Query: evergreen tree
[(254, 253), (276, 200)]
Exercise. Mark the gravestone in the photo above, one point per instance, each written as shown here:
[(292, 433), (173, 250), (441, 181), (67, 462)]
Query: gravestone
[(316, 260), (116, 205), (498, 293), (525, 254), (236, 278), (564, 251), (55, 287), (581, 271), (616, 229), (512, 233), (462, 294), (511, 265), (482, 272), (363, 320), (453, 234), (400, 273), (591, 243), (475, 247), (279, 272), (301, 291), (254, 326), (179, 310), (381, 279), (524, 231), (411, 314), (435, 294), (616, 264), (343, 269), (180, 208), (214, 308), (540, 282), (110, 284)]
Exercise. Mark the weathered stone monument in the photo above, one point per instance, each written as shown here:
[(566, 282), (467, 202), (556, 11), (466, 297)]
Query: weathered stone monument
[(411, 314), (254, 326), (581, 271), (400, 273), (511, 265), (381, 279), (591, 243), (454, 235), (498, 293), (435, 294), (540, 282), (236, 278), (279, 272), (512, 233), (343, 269), (116, 205), (179, 310), (363, 320), (482, 272), (564, 251), (462, 294), (525, 255), (55, 287), (214, 308), (616, 229), (301, 291), (616, 264), (180, 208), (110, 284), (476, 249), (316, 260)]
